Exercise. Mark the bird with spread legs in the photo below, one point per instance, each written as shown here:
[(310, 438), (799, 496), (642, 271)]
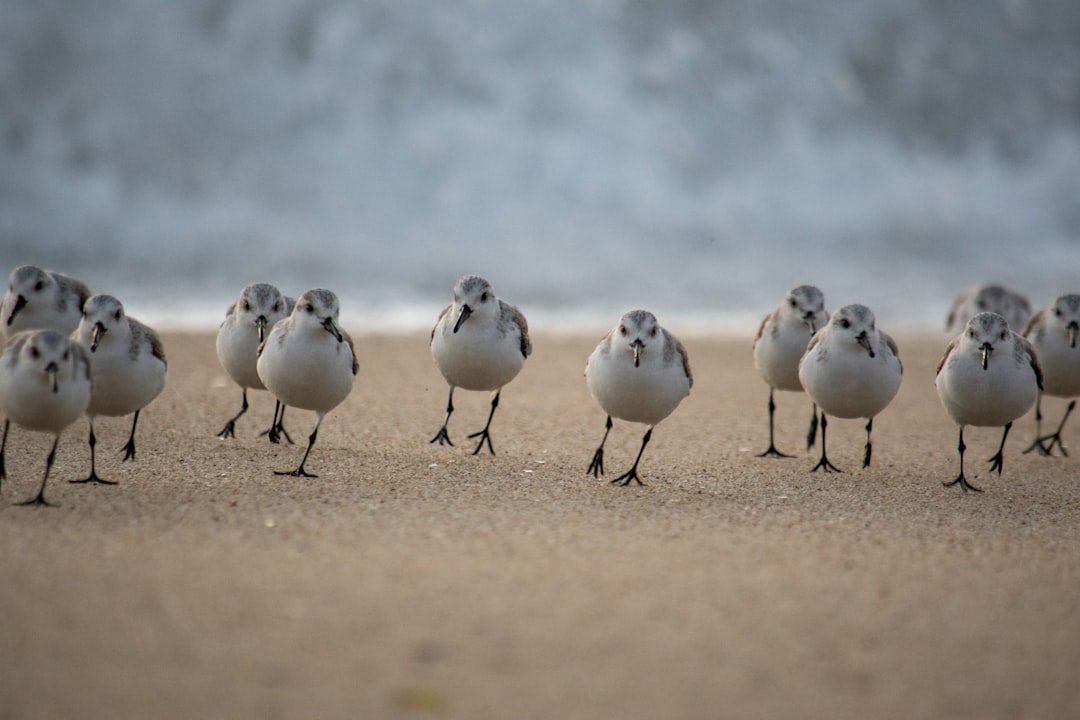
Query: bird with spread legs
[(988, 377), (780, 343), (246, 323), (308, 362), (851, 369), (480, 342), (639, 373), (39, 299), (127, 365), (1053, 332), (45, 386)]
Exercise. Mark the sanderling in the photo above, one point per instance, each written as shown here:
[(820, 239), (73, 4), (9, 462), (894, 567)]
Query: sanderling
[(780, 344), (988, 377), (44, 386), (1053, 333), (639, 373), (851, 370), (971, 301), (39, 299), (245, 326), (479, 342), (307, 361), (127, 364)]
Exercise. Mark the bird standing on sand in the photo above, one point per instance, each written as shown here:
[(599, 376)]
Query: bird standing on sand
[(639, 373), (480, 342), (1053, 333)]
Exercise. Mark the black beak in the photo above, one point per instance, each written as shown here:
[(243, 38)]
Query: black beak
[(636, 347), (20, 303), (985, 349), (330, 327), (466, 311), (260, 322), (808, 318), (865, 342), (99, 332), (1072, 329), (52, 371)]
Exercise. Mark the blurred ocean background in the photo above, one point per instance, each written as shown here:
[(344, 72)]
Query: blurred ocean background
[(587, 156)]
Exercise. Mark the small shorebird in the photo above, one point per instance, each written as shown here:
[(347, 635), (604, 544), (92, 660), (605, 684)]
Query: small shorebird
[(246, 322), (1053, 333), (988, 377), (127, 365), (480, 342), (39, 299), (851, 370), (780, 343), (639, 373), (44, 386), (987, 297), (307, 361)]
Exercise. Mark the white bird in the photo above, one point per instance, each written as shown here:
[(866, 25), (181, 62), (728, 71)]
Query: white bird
[(246, 322), (39, 299), (44, 386), (639, 373), (480, 342), (987, 297), (780, 343), (851, 370), (1053, 332), (988, 377), (127, 364), (308, 362)]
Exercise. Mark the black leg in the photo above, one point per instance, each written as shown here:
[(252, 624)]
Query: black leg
[(3, 447), (631, 474), (1055, 437), (442, 436), (276, 431), (960, 479), (823, 463), (1037, 443), (93, 477), (811, 434), (771, 451), (484, 434), (998, 461), (300, 471), (229, 431), (869, 448), (129, 447), (596, 467), (39, 499)]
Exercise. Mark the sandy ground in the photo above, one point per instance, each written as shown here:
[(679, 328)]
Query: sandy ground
[(410, 580)]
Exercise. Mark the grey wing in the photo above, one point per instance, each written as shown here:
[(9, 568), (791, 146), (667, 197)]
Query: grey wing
[(895, 350), (75, 285), (82, 360), (444, 313), (511, 313), (953, 344), (764, 323), (681, 352), (1027, 347), (140, 331), (352, 350)]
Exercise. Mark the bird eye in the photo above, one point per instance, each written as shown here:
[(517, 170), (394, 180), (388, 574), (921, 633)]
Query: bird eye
[(34, 353), (309, 308), (277, 306), (1057, 312), (622, 329), (247, 306), (39, 286), (1004, 334), (116, 316), (792, 303), (845, 323), (64, 357), (652, 333), (483, 296)]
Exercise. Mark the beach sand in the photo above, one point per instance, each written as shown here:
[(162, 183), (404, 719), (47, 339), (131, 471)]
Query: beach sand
[(410, 580)]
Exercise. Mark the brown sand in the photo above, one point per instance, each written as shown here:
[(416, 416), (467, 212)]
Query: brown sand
[(411, 580)]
